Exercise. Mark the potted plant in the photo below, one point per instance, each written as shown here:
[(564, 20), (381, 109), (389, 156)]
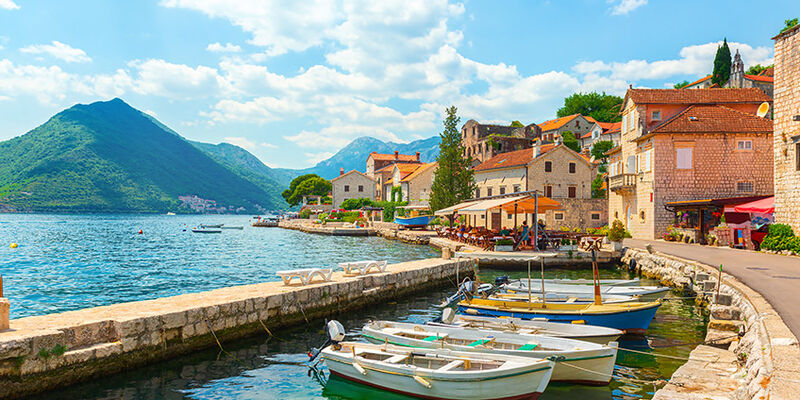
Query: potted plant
[(616, 234), (504, 245)]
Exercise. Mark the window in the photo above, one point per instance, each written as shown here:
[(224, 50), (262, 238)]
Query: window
[(517, 189), (744, 187), (647, 160), (548, 191), (744, 145), (797, 156), (683, 158), (616, 214), (499, 147), (624, 125), (572, 168), (478, 193), (509, 216), (641, 215), (360, 188), (559, 216), (572, 190), (656, 115), (346, 188), (548, 166), (595, 216), (502, 190), (488, 191)]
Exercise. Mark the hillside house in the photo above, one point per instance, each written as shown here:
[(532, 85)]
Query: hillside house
[(684, 145), (483, 141), (578, 124), (416, 186), (604, 131), (380, 166), (764, 80), (786, 141), (351, 185)]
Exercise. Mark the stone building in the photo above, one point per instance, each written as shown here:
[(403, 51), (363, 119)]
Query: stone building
[(682, 145), (607, 131), (416, 186), (352, 185), (483, 141), (786, 141), (380, 167), (578, 124), (764, 80), (398, 173)]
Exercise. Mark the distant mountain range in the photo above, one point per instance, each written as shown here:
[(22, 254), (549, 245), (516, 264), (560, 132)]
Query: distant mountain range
[(110, 157)]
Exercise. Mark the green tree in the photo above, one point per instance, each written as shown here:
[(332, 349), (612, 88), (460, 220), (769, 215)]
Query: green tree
[(597, 187), (599, 149), (453, 181), (293, 185), (602, 107), (355, 204), (681, 84), (314, 186), (790, 23), (571, 141), (757, 69), (517, 124), (722, 65)]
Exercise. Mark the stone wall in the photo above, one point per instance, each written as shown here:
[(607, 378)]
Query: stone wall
[(46, 352), (787, 132), (560, 178), (577, 213), (766, 355), (352, 185)]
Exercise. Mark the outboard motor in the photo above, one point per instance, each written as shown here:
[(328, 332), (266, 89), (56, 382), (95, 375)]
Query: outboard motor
[(501, 280), (335, 332)]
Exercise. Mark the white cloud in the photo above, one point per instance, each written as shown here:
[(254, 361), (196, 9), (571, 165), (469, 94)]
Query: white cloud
[(178, 81), (8, 5), (623, 7), (52, 84), (226, 48), (313, 158), (58, 50), (242, 142)]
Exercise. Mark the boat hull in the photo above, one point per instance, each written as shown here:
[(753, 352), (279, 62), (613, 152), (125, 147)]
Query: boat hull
[(586, 333), (413, 222), (629, 321)]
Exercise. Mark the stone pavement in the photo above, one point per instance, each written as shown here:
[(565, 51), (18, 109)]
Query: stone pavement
[(775, 277)]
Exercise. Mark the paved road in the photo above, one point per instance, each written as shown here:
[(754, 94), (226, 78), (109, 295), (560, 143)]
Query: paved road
[(775, 277)]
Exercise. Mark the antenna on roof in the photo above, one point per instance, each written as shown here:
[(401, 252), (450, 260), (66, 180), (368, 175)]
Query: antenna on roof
[(763, 109)]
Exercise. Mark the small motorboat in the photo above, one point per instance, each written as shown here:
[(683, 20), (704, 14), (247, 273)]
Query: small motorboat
[(576, 361), (603, 282), (414, 218), (211, 225), (589, 333), (633, 317), (236, 227), (645, 293), (564, 298), (206, 230), (434, 373)]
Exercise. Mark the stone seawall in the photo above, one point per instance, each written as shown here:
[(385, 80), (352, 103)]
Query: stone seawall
[(46, 352), (764, 363)]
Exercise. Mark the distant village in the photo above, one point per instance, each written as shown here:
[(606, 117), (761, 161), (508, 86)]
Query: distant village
[(679, 160)]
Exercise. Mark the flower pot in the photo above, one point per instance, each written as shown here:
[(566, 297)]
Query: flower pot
[(617, 246), (503, 247)]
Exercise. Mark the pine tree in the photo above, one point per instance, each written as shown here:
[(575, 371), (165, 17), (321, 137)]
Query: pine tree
[(453, 181), (722, 65)]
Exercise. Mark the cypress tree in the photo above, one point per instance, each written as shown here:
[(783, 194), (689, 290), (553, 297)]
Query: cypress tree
[(453, 182), (722, 65)]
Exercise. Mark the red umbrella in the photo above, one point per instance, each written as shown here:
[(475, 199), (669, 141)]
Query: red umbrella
[(765, 206)]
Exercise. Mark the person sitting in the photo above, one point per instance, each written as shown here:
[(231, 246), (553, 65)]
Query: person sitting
[(505, 232)]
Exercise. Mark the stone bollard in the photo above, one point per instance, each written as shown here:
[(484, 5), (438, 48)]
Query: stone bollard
[(724, 299), (701, 277), (446, 253), (709, 286)]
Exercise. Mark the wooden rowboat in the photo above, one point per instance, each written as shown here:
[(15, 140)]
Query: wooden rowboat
[(439, 373), (576, 361), (564, 298), (589, 333), (648, 293)]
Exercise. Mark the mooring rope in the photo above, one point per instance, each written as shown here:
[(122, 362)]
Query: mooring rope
[(220, 344)]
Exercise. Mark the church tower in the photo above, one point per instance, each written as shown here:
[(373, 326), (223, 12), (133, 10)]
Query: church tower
[(737, 72)]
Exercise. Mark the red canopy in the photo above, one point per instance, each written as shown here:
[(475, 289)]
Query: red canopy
[(765, 206)]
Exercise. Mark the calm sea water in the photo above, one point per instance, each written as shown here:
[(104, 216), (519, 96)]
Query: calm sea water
[(69, 262)]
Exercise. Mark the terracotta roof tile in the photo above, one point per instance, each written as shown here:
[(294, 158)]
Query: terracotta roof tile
[(556, 123), (510, 159), (760, 78), (390, 157), (590, 119), (768, 72), (352, 172), (697, 96), (702, 118), (422, 168), (697, 81)]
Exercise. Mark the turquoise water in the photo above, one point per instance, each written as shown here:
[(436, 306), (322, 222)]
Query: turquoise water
[(69, 262)]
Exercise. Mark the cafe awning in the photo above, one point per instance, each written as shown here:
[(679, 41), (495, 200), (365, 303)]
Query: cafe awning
[(453, 209), (529, 206), (763, 206), (486, 205)]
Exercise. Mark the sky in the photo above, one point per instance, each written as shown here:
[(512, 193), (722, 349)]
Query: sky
[(294, 81)]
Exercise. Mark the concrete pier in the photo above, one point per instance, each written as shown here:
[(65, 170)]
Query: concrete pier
[(46, 352)]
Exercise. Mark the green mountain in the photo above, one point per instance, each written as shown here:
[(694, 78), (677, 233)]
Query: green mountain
[(354, 155), (110, 157)]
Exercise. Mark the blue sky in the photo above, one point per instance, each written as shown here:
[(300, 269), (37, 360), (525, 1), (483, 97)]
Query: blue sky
[(293, 82)]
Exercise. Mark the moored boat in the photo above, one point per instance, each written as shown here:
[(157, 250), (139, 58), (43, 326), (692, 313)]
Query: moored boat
[(603, 282), (576, 361), (564, 298), (211, 225), (634, 317), (266, 222), (589, 333), (413, 222), (439, 373), (205, 230), (645, 293), (236, 227)]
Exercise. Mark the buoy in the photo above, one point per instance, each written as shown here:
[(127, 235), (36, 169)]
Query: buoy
[(140, 231), (13, 245)]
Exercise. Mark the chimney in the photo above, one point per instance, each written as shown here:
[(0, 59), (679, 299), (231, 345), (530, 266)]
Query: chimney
[(537, 148), (341, 171), (396, 155), (417, 156)]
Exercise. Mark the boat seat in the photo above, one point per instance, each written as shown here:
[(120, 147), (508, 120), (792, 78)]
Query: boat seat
[(451, 365), (528, 347), (396, 359), (432, 338), (571, 300), (480, 342)]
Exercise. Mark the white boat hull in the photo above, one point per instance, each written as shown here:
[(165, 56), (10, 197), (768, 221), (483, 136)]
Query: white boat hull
[(588, 333), (645, 293)]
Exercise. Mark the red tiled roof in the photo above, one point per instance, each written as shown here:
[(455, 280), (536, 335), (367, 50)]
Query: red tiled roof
[(770, 71), (510, 159), (390, 157), (760, 78), (422, 168), (696, 96), (697, 81), (710, 118), (556, 123), (590, 119), (613, 127), (407, 169)]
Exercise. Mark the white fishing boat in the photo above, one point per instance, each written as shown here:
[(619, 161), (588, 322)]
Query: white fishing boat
[(439, 373), (588, 333), (644, 293), (206, 230), (603, 282), (576, 361), (564, 298), (211, 225)]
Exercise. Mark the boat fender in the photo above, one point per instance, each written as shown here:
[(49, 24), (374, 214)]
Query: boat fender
[(13, 245), (422, 381), (359, 368), (471, 311)]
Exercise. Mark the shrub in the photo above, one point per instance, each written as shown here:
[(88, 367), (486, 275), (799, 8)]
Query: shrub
[(355, 204), (304, 213), (781, 237), (617, 231), (505, 242), (389, 208)]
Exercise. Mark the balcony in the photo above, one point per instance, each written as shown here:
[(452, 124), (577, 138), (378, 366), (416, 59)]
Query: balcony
[(622, 182)]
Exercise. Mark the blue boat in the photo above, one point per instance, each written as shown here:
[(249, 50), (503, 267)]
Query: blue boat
[(413, 222), (630, 317)]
